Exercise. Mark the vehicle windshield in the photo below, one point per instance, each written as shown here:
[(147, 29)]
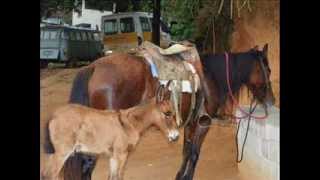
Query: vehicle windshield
[(65, 35)]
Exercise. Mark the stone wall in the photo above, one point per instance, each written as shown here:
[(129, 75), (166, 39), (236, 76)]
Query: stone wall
[(261, 153)]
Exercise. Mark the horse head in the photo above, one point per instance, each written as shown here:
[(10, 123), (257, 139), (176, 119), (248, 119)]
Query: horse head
[(166, 118), (259, 79)]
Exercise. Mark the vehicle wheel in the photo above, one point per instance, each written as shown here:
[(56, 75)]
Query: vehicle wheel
[(71, 63), (43, 64), (99, 55)]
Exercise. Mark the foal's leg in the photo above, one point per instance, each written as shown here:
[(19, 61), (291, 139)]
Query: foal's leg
[(114, 167), (194, 136), (122, 162), (55, 164)]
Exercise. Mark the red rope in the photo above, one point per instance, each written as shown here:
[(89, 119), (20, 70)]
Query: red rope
[(234, 99)]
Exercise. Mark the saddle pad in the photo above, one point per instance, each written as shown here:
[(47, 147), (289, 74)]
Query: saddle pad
[(186, 85)]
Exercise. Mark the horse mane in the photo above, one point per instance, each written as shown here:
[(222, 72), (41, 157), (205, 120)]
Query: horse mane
[(241, 65)]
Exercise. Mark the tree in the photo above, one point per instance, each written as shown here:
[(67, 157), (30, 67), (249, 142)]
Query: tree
[(207, 22)]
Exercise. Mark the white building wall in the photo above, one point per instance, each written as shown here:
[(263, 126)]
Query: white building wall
[(89, 16), (262, 149)]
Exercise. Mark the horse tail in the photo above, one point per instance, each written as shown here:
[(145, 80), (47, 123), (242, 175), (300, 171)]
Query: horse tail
[(48, 146), (79, 92)]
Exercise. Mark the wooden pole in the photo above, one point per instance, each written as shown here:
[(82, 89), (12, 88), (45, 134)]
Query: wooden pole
[(156, 22), (213, 37)]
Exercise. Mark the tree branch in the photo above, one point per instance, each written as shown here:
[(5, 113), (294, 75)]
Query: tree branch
[(220, 6), (244, 3), (231, 9), (249, 6), (238, 8)]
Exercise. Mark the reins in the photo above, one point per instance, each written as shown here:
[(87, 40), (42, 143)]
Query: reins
[(251, 110), (234, 99), (246, 114)]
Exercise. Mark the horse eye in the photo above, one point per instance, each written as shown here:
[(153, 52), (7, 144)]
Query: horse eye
[(168, 113)]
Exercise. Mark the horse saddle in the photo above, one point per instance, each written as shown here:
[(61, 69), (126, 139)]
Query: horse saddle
[(174, 64), (170, 63)]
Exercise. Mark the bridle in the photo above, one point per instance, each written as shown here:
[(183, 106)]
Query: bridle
[(251, 109), (235, 102)]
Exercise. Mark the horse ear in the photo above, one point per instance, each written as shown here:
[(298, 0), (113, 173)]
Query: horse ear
[(256, 48), (159, 94), (167, 92), (265, 49)]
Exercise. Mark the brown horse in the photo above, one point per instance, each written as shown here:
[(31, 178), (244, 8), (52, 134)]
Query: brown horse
[(114, 82), (77, 128), (249, 69), (118, 81)]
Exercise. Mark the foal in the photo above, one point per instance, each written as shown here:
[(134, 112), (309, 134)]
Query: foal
[(76, 128)]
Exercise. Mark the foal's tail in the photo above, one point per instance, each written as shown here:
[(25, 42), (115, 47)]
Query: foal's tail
[(48, 146), (79, 92)]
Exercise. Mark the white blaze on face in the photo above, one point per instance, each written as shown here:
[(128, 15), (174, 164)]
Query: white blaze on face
[(173, 135)]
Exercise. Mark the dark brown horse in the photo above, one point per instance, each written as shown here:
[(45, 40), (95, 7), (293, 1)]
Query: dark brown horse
[(249, 69), (121, 81)]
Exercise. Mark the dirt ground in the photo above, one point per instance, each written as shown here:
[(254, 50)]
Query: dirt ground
[(154, 158)]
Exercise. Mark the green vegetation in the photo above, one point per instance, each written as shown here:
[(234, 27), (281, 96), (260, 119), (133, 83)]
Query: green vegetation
[(209, 23)]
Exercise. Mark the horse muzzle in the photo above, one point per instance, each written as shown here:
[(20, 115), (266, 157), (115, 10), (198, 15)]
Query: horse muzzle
[(173, 135)]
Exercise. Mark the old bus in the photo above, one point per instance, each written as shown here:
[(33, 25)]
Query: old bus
[(67, 44), (122, 31)]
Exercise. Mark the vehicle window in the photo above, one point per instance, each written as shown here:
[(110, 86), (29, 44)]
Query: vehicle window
[(84, 36), (41, 34), (127, 25), (65, 35), (110, 27), (78, 36), (163, 26), (53, 35), (46, 35), (96, 36), (89, 35), (145, 26), (72, 36), (92, 36)]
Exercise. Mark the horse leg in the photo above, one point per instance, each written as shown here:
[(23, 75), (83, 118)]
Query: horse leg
[(186, 150), (89, 163), (194, 136), (79, 167)]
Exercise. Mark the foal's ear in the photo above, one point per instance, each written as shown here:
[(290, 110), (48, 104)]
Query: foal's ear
[(160, 94), (167, 92)]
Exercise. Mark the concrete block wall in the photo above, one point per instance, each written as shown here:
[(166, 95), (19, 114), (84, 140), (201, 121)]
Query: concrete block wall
[(262, 149)]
